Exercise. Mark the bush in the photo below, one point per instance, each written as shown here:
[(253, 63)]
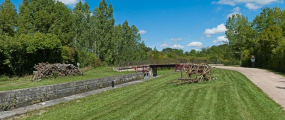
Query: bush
[(93, 60), (68, 54), (88, 59)]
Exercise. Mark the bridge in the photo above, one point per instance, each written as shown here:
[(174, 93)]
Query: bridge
[(151, 69)]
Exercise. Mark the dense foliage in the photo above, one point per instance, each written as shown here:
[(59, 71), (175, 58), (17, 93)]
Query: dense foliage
[(263, 37), (48, 31)]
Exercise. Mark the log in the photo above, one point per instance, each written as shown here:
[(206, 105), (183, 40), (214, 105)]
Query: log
[(46, 70)]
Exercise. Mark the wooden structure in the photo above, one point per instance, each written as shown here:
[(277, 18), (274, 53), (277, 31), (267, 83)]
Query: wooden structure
[(194, 73)]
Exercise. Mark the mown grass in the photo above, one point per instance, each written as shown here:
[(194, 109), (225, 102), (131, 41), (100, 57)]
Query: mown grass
[(232, 96), (165, 71), (26, 82)]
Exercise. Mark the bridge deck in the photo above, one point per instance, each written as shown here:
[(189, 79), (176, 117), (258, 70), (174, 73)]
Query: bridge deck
[(163, 65)]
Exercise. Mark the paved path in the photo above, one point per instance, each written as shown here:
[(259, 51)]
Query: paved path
[(19, 111), (270, 83)]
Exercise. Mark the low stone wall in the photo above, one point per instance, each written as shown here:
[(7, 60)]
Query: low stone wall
[(28, 96)]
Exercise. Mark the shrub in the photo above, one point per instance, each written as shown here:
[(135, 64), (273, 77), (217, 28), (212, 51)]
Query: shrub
[(88, 59), (68, 54)]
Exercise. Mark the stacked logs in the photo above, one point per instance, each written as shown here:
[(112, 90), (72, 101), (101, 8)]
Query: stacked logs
[(46, 70)]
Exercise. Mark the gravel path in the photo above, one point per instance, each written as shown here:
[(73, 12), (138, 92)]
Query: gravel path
[(270, 83)]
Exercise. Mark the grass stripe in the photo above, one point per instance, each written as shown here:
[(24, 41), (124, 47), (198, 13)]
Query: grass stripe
[(232, 96)]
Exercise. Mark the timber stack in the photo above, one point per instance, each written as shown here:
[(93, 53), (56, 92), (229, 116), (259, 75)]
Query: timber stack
[(46, 70)]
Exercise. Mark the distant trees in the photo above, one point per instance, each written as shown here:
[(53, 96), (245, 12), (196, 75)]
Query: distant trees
[(214, 54), (263, 37)]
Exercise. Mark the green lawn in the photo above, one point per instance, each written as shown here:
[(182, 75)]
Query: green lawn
[(232, 96), (165, 71), (26, 82)]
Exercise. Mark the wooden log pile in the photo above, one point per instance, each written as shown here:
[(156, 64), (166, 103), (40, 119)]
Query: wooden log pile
[(46, 70)]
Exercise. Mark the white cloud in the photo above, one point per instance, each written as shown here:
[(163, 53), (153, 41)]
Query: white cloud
[(142, 32), (221, 39), (70, 3), (234, 11), (164, 45), (195, 44), (226, 2), (254, 3), (252, 6), (177, 46), (208, 36), (176, 39), (219, 29)]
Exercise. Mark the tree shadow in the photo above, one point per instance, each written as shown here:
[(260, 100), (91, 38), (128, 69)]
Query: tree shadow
[(280, 87)]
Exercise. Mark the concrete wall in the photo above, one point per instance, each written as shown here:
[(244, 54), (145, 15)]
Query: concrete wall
[(23, 97)]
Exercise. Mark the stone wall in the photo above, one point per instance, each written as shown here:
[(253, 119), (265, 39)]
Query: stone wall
[(28, 96)]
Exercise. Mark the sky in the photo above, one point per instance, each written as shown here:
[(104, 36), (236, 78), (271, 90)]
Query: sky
[(181, 24)]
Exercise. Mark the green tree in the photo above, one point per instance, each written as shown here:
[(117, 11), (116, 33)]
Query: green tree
[(193, 52), (35, 16), (127, 42), (8, 14), (62, 24), (267, 41), (104, 23), (81, 26), (46, 16), (267, 18), (268, 25), (278, 56), (241, 35)]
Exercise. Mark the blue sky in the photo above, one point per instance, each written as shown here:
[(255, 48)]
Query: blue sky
[(185, 24)]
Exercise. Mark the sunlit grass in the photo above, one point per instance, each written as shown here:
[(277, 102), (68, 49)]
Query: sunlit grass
[(231, 97)]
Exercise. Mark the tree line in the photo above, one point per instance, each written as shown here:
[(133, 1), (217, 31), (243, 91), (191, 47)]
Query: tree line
[(48, 31), (217, 54), (262, 37)]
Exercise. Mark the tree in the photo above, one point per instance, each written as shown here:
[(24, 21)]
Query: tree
[(127, 36), (167, 50), (8, 14), (62, 24), (81, 26), (268, 17), (104, 23), (240, 34), (35, 16), (193, 52), (267, 41), (268, 25), (46, 16), (118, 40)]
